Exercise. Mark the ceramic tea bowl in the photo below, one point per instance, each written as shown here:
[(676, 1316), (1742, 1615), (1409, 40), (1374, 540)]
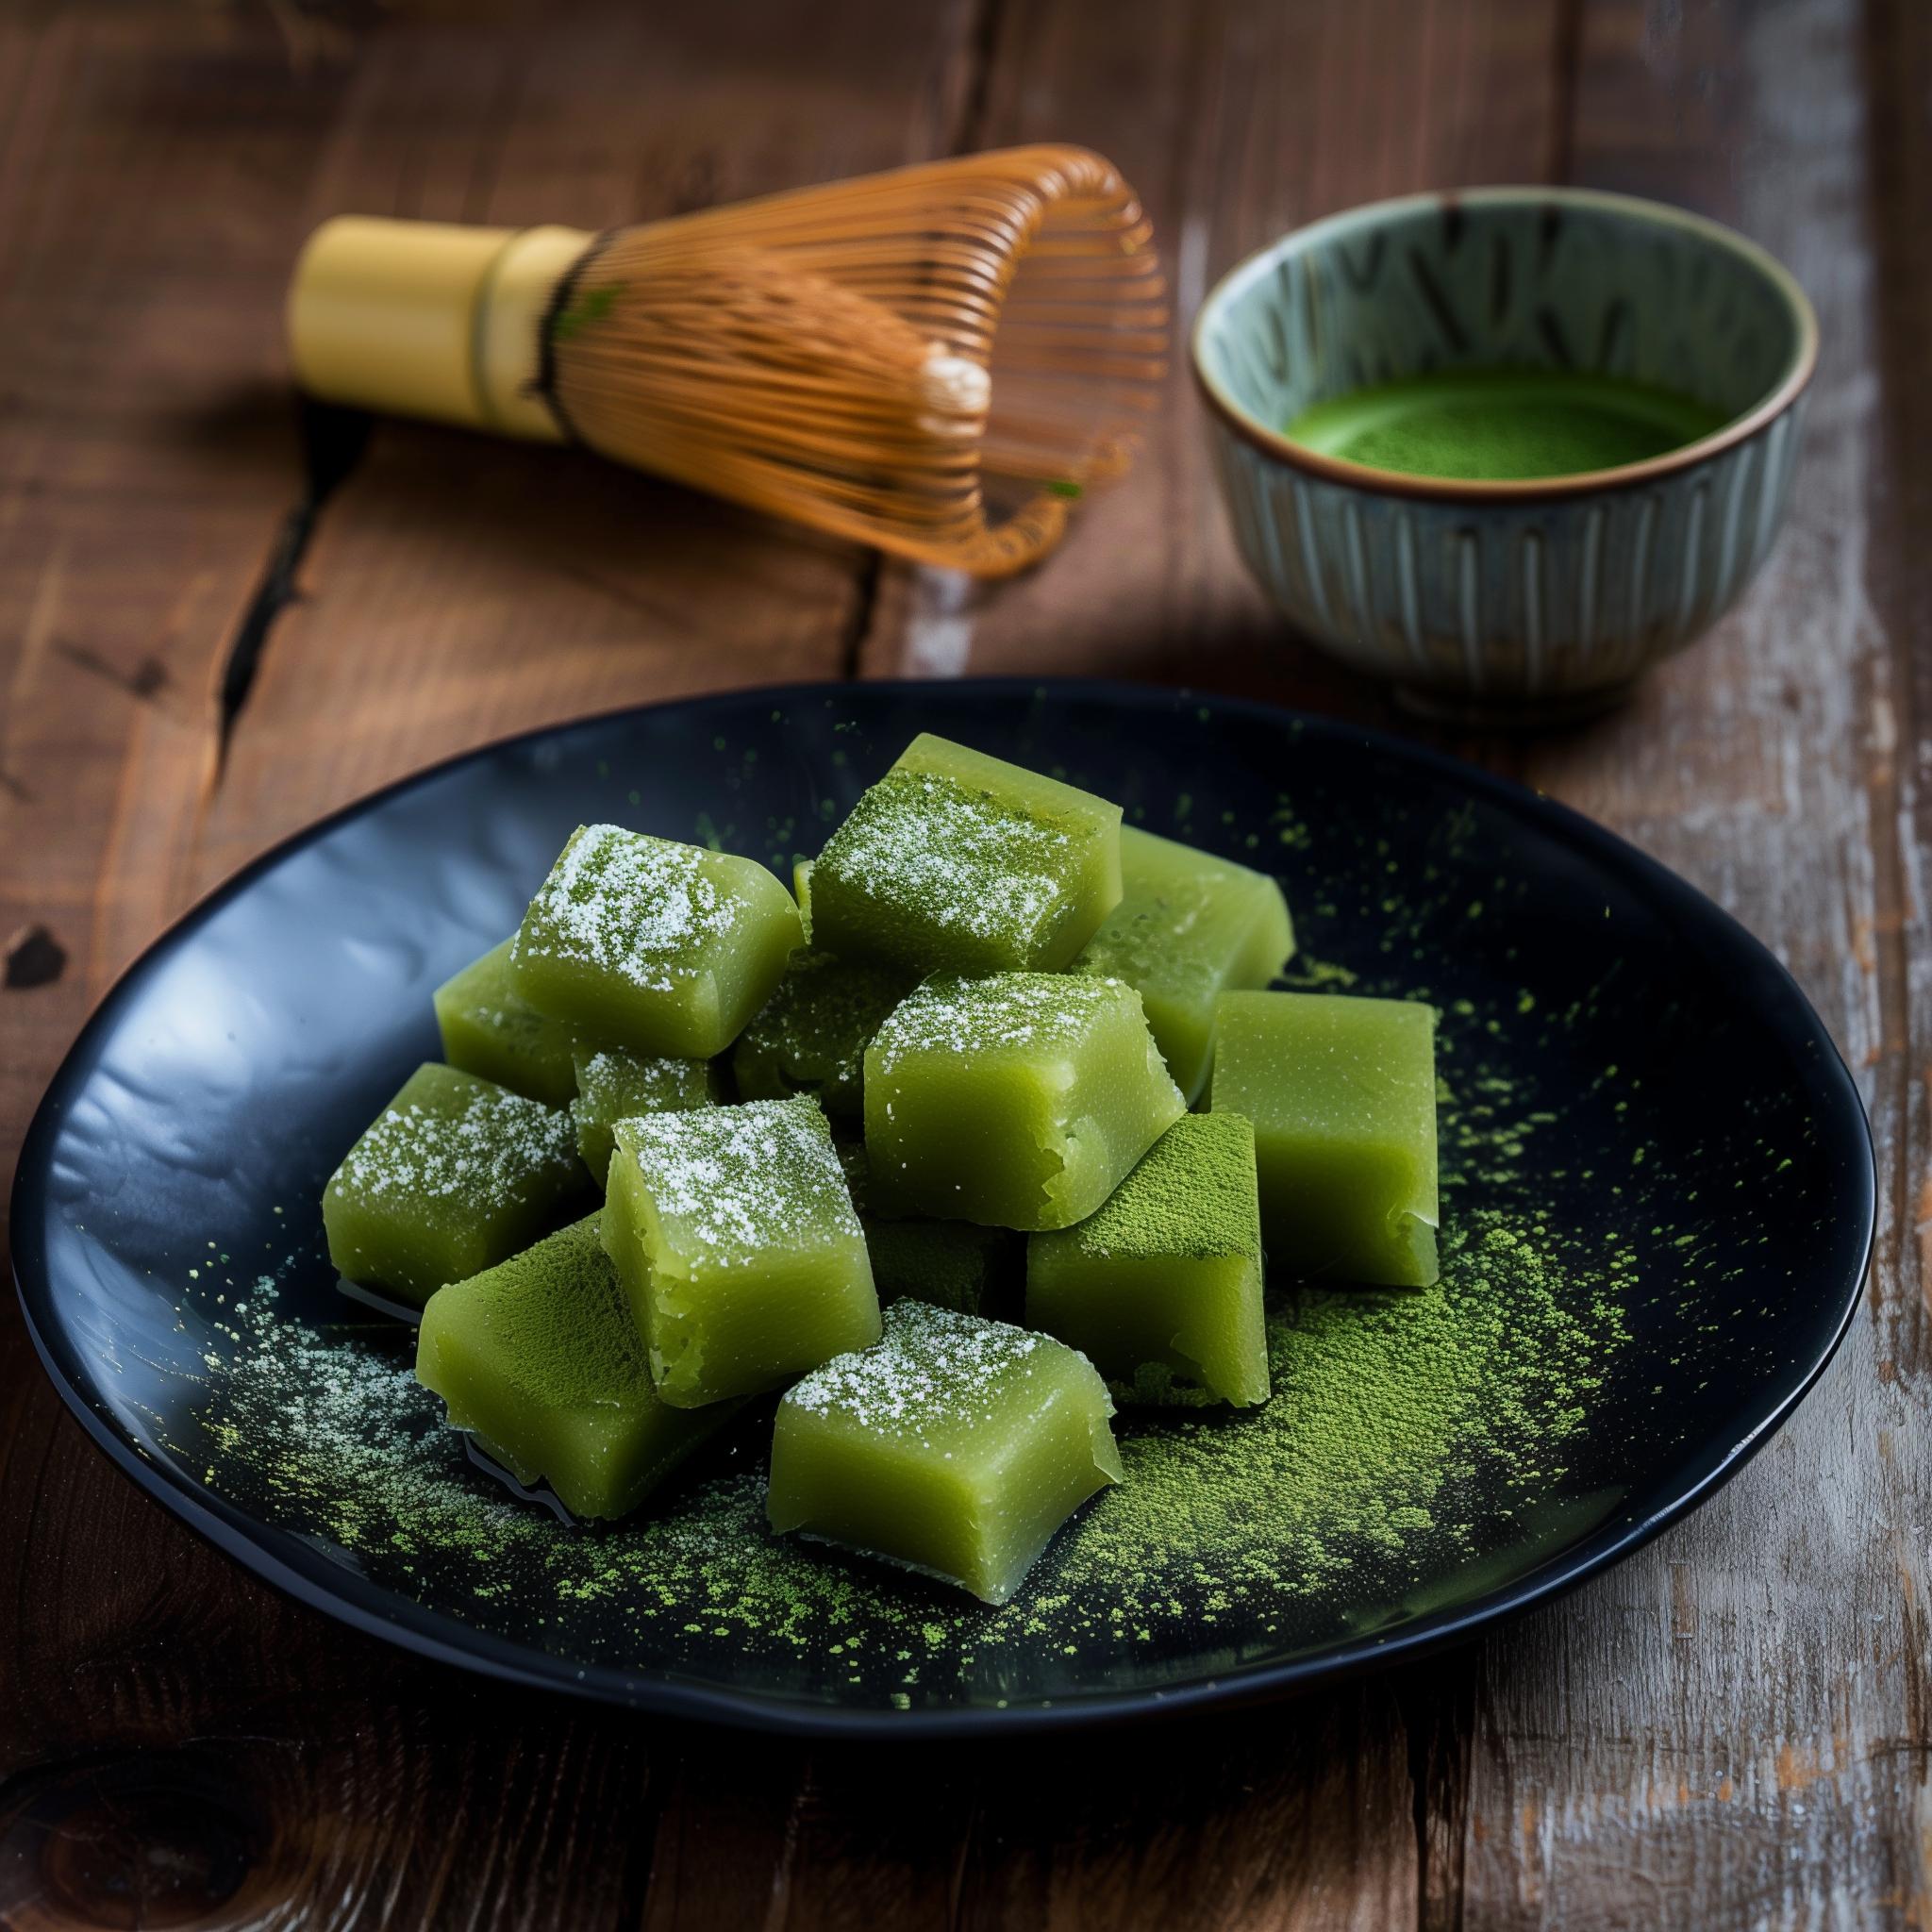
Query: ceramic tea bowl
[(1525, 600)]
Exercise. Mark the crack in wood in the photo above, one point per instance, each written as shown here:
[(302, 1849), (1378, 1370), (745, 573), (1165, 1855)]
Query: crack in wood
[(333, 440), (34, 958), (1436, 1710), (1565, 89), (981, 43), (865, 597), (148, 678)]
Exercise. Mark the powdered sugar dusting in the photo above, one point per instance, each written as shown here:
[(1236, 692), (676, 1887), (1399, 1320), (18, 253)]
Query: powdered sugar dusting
[(959, 863), (610, 1083), (953, 1015), (450, 1136), (1148, 939), (630, 905), (736, 1182), (932, 1366)]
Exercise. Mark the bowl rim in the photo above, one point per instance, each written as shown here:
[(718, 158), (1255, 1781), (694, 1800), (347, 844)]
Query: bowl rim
[(1774, 402)]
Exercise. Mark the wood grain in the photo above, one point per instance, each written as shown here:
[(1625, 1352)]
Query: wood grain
[(1730, 1730), (457, 589)]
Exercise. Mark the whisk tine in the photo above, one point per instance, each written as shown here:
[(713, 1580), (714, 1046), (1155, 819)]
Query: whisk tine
[(934, 361), (1032, 268)]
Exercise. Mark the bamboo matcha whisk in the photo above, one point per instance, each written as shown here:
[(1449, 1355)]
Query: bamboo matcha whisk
[(936, 360)]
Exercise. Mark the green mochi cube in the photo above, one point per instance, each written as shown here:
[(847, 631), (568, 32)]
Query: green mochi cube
[(956, 1446), (645, 943), (454, 1175), (1022, 1100), (491, 1029), (957, 863), (1161, 1287), (734, 1233), (612, 1086), (1342, 1092), (812, 1035), (952, 1264), (1188, 929), (539, 1358)]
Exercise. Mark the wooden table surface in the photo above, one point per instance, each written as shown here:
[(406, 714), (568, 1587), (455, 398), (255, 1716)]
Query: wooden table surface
[(210, 633)]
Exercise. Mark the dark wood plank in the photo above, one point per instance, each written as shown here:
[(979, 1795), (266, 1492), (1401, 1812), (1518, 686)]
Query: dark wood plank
[(1739, 1714), (148, 203)]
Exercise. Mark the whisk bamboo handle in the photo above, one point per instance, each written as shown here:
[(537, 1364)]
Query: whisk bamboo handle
[(429, 319)]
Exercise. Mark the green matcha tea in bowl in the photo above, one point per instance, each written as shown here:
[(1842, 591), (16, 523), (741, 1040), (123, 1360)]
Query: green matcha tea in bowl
[(1508, 447)]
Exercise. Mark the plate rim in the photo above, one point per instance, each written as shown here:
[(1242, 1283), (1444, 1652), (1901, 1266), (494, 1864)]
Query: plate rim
[(283, 1561)]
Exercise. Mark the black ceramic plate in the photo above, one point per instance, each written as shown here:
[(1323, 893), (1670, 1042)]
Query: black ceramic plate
[(1656, 1211)]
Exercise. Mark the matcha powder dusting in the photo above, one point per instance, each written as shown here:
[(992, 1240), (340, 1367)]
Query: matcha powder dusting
[(1410, 1433), (1391, 1408)]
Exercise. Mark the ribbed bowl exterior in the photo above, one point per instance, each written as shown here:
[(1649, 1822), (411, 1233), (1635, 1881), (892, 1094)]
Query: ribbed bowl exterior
[(1538, 602)]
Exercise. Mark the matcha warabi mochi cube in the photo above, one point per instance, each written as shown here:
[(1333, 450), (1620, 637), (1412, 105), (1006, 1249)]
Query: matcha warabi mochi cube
[(952, 1264), (612, 1086), (454, 1175), (958, 862), (1161, 1287), (491, 1029), (1342, 1092), (1020, 1100), (1189, 928), (539, 1358), (956, 1446), (651, 945), (734, 1233), (812, 1035)]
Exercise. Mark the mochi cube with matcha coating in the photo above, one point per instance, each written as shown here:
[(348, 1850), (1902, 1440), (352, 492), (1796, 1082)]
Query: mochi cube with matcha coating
[(491, 1029), (957, 863), (454, 1175), (1161, 1287), (654, 947), (812, 1035), (1189, 928), (1342, 1092), (1020, 1100), (735, 1236), (955, 1447), (539, 1360), (952, 1264), (612, 1084)]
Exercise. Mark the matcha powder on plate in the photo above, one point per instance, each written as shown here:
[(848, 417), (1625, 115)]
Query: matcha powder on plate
[(1410, 1433)]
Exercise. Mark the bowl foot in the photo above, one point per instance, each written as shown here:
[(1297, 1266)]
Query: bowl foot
[(1507, 712)]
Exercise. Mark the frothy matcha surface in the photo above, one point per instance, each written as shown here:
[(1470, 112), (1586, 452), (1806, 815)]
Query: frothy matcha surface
[(1504, 425)]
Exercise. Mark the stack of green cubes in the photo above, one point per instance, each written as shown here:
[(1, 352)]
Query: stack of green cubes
[(839, 1131)]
